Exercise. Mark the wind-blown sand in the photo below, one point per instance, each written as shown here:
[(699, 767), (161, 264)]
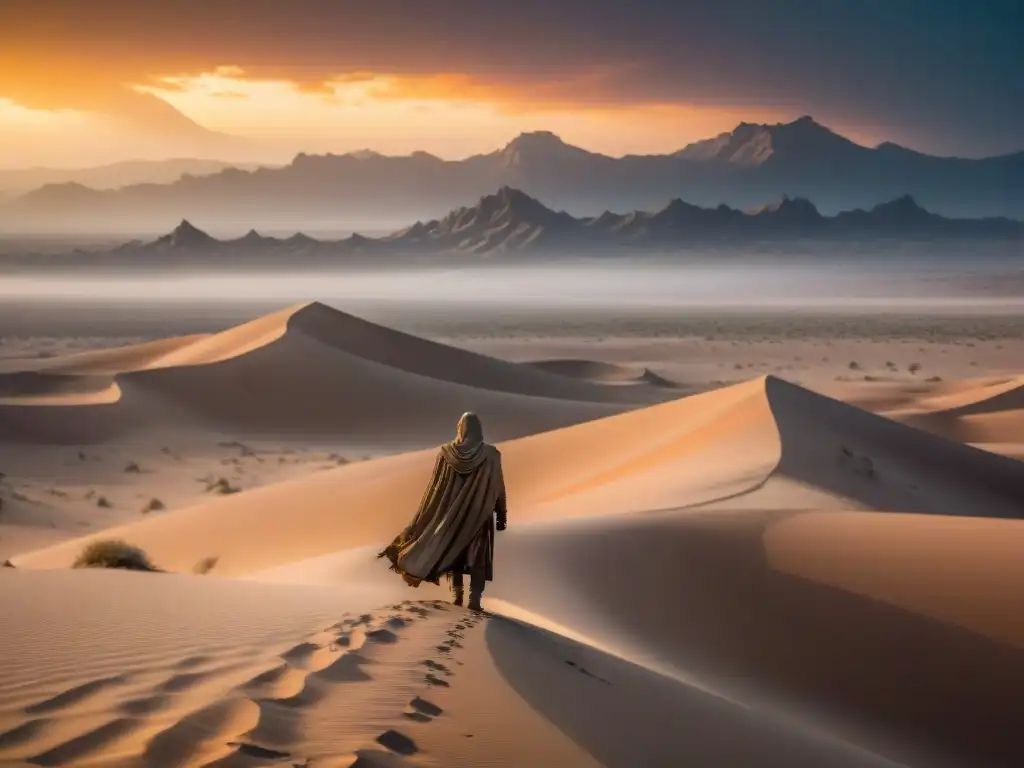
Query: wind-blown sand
[(758, 575)]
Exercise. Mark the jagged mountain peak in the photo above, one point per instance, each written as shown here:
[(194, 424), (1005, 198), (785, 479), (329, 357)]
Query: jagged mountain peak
[(537, 140), (790, 207), (902, 208), (187, 235), (752, 144)]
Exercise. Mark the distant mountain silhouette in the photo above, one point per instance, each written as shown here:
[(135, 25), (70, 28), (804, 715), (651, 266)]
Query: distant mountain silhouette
[(112, 176), (510, 221), (742, 168)]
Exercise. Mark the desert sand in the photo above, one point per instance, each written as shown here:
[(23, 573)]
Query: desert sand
[(738, 566)]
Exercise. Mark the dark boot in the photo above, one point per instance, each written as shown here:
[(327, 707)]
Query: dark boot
[(477, 581), (458, 590)]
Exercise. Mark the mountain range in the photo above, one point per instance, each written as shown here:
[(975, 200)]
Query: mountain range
[(511, 222), (20, 181), (366, 190)]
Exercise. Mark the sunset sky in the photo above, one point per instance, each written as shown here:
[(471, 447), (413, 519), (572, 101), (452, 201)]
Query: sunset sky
[(84, 83)]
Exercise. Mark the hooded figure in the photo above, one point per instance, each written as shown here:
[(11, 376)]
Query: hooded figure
[(453, 531)]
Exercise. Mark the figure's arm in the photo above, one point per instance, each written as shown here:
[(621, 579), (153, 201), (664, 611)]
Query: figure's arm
[(501, 505)]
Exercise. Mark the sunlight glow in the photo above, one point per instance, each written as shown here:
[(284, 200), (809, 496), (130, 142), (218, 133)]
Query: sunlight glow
[(447, 114)]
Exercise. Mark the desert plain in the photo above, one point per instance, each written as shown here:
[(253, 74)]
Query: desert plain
[(735, 539)]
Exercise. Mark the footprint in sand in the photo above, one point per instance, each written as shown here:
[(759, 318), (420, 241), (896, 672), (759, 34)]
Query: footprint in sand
[(433, 679), (437, 666), (398, 742), (301, 653), (382, 636), (351, 641), (422, 711)]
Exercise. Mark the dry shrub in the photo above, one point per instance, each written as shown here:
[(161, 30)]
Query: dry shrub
[(114, 553)]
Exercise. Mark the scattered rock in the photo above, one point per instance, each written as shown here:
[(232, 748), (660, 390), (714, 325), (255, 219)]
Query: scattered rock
[(132, 467), (104, 502), (153, 505), (205, 565)]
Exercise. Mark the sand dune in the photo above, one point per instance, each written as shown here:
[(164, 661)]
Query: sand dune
[(987, 413), (765, 444), (758, 575), (602, 373), (305, 369), (37, 388), (807, 612), (100, 362), (988, 397)]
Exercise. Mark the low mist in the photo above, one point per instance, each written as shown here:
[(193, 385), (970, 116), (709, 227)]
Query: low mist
[(796, 284)]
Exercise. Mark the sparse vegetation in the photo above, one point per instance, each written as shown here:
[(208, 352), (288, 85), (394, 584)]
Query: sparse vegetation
[(104, 502), (223, 486), (854, 365), (242, 447), (153, 505), (114, 553), (133, 467), (205, 565), (914, 367), (933, 379)]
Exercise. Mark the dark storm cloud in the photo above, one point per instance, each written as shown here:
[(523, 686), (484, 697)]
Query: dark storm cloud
[(946, 76)]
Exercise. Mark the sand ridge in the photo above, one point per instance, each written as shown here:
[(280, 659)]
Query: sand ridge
[(603, 373), (764, 444), (307, 368), (735, 577)]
